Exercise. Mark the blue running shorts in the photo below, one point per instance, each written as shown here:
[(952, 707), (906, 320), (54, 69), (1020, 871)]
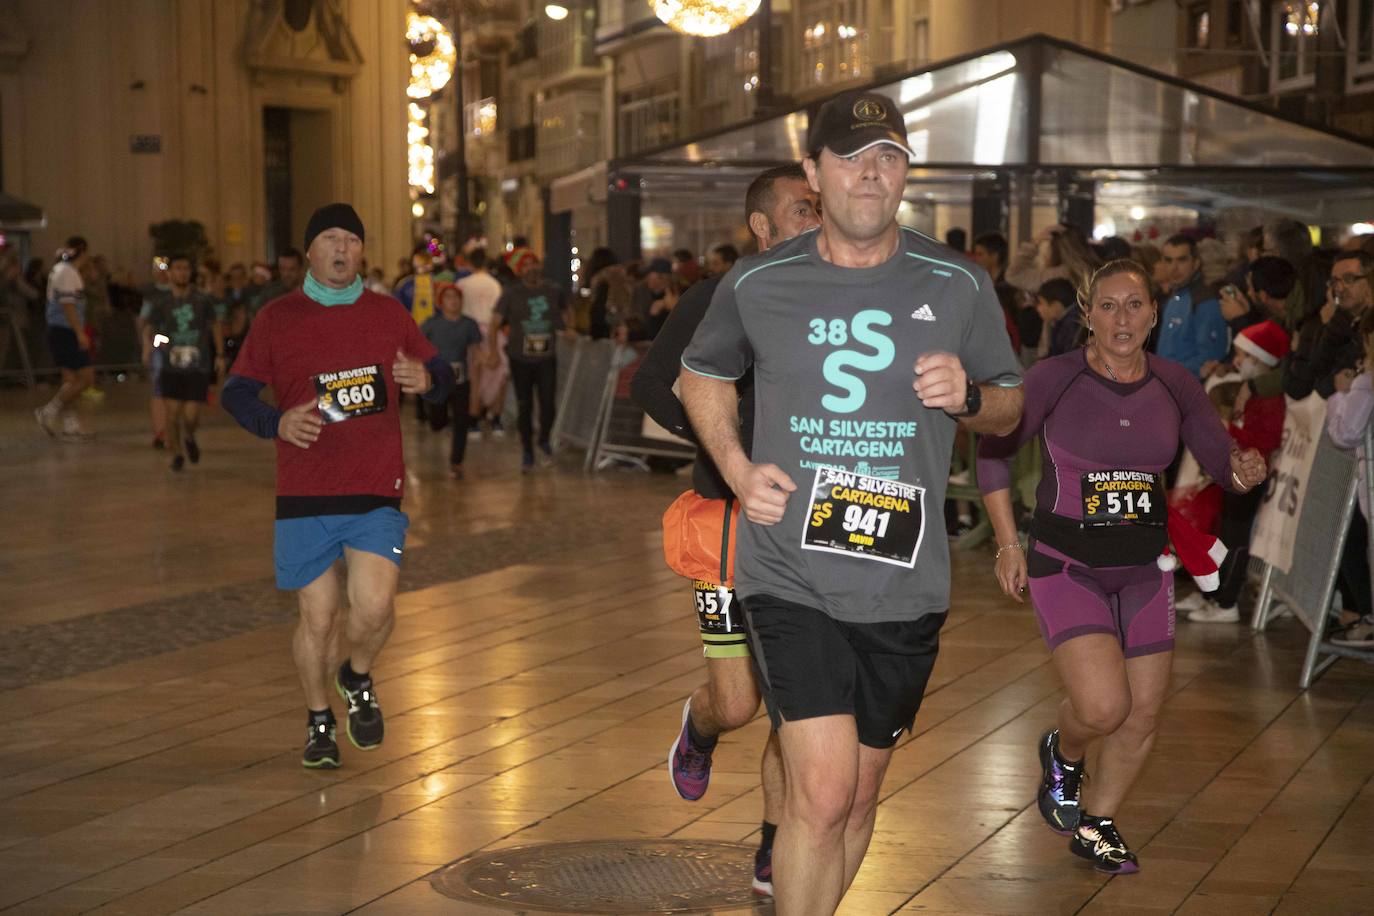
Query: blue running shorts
[(306, 547)]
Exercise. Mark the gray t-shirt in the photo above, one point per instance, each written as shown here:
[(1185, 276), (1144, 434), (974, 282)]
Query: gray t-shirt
[(533, 317), (833, 351), (188, 323)]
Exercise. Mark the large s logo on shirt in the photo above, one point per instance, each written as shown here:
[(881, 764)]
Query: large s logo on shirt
[(838, 364)]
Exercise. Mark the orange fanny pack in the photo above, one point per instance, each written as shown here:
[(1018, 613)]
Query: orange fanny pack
[(697, 542)]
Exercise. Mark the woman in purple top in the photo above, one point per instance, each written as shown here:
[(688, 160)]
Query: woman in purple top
[(1110, 418)]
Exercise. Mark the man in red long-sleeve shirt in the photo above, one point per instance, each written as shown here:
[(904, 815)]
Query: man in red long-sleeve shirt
[(337, 357)]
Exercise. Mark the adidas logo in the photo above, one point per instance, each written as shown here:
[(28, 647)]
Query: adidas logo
[(923, 313)]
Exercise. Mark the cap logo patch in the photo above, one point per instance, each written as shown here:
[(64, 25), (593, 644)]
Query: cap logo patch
[(869, 110)]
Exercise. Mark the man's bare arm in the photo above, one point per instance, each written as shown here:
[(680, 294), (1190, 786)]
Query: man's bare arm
[(713, 407), (1000, 413)]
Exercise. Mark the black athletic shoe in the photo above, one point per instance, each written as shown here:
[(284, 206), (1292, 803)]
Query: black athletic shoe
[(192, 451), (763, 872), (1097, 841), (178, 463), (321, 750), (364, 715), (1060, 786)]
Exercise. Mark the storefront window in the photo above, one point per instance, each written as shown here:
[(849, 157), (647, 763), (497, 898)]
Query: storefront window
[(1293, 44), (834, 43)]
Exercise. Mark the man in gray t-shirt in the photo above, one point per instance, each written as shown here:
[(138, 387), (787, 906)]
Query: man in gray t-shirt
[(841, 564), (533, 312)]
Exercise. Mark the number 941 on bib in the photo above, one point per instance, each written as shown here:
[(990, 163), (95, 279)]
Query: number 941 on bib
[(868, 518)]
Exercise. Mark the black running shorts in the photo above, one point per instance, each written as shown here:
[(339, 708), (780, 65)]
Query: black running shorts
[(810, 664), (185, 386), (66, 350)]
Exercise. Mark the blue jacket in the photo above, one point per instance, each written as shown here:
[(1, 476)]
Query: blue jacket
[(1192, 329)]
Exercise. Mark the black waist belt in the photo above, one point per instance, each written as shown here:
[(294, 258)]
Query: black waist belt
[(306, 506), (1118, 545)]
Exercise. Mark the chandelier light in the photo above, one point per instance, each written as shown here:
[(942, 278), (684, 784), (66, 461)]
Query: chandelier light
[(432, 55), (420, 155), (703, 18), (1302, 18)]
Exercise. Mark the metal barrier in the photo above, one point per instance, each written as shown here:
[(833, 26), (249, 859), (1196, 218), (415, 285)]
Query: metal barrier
[(17, 340), (582, 393), (1327, 505), (26, 359), (621, 438)]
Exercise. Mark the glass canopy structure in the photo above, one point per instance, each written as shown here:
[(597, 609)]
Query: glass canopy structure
[(1040, 119)]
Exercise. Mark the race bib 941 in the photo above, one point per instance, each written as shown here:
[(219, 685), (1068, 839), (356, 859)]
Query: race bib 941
[(350, 393), (871, 518)]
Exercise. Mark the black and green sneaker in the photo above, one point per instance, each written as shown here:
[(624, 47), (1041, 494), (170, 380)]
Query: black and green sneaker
[(321, 750), (1098, 841), (364, 715)]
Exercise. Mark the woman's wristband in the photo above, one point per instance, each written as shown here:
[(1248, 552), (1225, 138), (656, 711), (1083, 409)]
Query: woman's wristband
[(1006, 547)]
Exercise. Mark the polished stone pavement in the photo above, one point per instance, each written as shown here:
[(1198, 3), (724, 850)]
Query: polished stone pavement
[(532, 687)]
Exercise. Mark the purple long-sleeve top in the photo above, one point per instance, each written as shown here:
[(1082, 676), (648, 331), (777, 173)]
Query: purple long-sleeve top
[(1087, 422)]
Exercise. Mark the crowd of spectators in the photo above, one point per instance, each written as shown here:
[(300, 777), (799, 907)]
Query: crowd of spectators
[(631, 300), (1258, 318)]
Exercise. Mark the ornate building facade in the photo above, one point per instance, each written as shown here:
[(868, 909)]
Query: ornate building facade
[(241, 114)]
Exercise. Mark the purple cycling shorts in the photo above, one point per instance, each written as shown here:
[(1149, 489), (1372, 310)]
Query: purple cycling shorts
[(1133, 603)]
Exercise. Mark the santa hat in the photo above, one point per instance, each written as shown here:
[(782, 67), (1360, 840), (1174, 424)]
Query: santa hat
[(441, 288), (1266, 342), (1201, 554), (517, 259)]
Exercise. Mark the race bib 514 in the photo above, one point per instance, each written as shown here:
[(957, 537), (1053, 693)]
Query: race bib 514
[(350, 393), (1122, 497)]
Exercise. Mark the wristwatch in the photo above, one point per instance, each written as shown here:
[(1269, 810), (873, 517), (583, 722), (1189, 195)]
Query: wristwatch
[(973, 400)]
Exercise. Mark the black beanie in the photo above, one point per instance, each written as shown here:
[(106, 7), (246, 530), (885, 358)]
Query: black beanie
[(333, 216)]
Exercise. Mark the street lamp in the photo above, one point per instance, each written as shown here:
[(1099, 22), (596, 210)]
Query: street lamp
[(703, 18)]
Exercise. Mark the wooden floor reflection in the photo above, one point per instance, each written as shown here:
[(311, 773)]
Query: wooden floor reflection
[(536, 702)]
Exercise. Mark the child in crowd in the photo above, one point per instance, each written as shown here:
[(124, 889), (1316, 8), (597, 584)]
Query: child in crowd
[(1256, 422), (457, 338), (1057, 302)]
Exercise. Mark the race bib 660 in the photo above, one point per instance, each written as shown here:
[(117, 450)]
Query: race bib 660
[(350, 393)]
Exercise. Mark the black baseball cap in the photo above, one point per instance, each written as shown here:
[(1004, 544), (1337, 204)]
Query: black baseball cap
[(853, 121)]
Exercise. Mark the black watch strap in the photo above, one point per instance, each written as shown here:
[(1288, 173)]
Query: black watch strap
[(973, 400)]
